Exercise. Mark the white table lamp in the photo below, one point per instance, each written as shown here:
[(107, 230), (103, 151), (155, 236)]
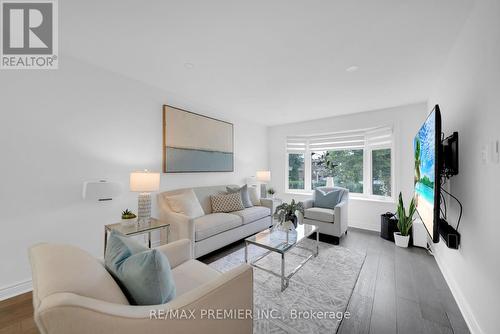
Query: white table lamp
[(263, 176), (144, 182)]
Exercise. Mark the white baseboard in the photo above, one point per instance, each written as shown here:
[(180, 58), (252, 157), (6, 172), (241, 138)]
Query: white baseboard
[(364, 226), (15, 289), (462, 303)]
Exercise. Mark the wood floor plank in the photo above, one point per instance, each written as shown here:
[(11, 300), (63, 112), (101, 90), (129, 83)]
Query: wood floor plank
[(409, 320), (365, 286), (383, 319), (360, 307)]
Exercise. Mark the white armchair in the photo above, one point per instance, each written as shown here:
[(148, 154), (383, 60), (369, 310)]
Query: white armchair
[(331, 222), (73, 293)]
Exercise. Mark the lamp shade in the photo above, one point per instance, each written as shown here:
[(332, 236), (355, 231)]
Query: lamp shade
[(263, 176), (144, 181)]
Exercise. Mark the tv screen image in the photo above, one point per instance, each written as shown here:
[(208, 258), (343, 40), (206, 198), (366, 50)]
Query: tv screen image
[(427, 173)]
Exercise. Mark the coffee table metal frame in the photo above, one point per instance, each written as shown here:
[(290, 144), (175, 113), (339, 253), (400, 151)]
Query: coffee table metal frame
[(285, 279)]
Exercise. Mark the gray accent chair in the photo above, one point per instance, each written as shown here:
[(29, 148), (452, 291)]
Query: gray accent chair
[(331, 222)]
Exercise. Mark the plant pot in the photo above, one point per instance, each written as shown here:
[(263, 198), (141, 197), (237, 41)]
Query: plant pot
[(128, 222), (293, 219), (287, 225), (401, 241)]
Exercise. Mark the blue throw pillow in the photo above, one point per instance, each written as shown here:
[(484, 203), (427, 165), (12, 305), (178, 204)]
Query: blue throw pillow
[(245, 197), (143, 274), (327, 200)]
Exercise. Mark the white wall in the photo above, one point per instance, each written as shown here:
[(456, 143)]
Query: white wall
[(468, 94), (362, 213), (62, 127)]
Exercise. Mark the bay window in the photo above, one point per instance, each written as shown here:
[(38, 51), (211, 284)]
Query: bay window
[(361, 161)]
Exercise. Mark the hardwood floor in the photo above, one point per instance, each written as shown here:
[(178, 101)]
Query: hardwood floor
[(16, 315), (398, 291)]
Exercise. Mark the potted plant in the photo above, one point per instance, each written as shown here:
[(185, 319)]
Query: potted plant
[(271, 192), (288, 212), (405, 222), (128, 217)]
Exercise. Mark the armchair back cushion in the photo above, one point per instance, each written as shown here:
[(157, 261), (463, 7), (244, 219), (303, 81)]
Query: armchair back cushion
[(144, 274), (328, 198), (63, 268)]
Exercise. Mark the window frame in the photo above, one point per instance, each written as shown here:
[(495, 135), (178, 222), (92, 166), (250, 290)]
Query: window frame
[(367, 171), (287, 168)]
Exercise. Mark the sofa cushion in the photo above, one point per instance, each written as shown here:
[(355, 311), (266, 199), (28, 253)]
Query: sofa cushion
[(327, 199), (254, 195), (321, 214), (186, 203), (226, 202), (245, 197), (204, 193), (144, 274), (214, 223), (191, 274), (252, 214)]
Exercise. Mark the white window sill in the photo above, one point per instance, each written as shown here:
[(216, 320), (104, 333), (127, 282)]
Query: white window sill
[(355, 197), (373, 199)]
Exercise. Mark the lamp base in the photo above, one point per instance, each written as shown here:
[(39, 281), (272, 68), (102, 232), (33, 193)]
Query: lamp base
[(144, 207), (263, 190)]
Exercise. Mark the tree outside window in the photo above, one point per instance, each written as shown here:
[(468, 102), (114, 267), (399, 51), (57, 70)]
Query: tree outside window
[(296, 171), (345, 166), (381, 172)]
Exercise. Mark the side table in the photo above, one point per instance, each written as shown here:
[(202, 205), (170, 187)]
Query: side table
[(137, 229)]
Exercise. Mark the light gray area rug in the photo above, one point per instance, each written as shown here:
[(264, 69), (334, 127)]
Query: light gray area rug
[(324, 284)]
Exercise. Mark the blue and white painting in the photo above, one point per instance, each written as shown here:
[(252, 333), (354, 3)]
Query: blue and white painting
[(196, 143)]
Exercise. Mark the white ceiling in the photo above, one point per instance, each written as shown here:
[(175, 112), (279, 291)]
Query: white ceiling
[(272, 61)]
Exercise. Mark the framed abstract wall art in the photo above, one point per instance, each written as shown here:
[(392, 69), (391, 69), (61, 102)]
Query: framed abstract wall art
[(196, 143)]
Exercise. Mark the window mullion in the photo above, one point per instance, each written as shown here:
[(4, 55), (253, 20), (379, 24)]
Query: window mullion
[(307, 168), (367, 171)]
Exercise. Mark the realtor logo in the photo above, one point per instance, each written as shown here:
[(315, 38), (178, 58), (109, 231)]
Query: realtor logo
[(29, 34)]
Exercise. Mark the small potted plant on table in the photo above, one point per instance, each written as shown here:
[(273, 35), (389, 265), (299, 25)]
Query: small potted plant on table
[(405, 222), (128, 217), (271, 192)]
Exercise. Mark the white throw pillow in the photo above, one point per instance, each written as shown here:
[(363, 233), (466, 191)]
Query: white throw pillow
[(254, 195), (186, 203)]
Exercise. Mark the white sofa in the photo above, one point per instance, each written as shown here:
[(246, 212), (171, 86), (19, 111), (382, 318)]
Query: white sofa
[(73, 293), (214, 230), (331, 222)]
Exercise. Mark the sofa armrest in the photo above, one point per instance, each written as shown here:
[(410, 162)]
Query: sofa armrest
[(308, 203), (341, 215), (177, 252), (71, 313), (181, 226), (268, 203)]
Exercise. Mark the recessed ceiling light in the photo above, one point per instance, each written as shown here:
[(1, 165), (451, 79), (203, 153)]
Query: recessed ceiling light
[(188, 65), (352, 69)]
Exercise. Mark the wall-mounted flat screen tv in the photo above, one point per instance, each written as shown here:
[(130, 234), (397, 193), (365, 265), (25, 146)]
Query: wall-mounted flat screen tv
[(427, 149)]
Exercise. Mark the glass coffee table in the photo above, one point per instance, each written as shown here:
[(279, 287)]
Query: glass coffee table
[(278, 241)]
